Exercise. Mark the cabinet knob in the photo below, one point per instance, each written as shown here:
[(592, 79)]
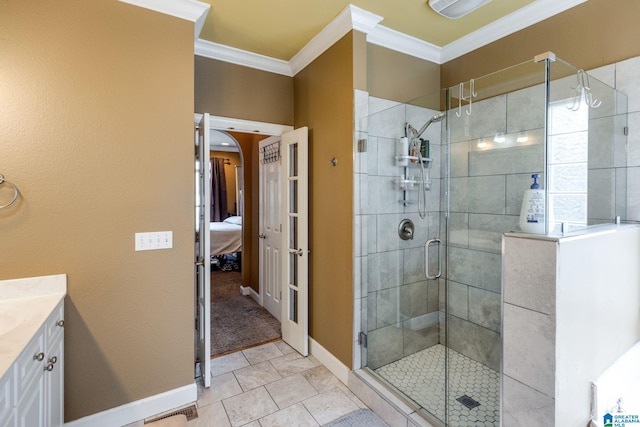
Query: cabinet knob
[(49, 367), (39, 357), (60, 323), (53, 359)]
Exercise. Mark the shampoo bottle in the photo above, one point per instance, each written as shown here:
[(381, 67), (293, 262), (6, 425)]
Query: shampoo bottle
[(532, 211)]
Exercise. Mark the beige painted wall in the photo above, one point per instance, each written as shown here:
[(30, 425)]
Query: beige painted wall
[(399, 77), (229, 90), (324, 102), (99, 153), (595, 33)]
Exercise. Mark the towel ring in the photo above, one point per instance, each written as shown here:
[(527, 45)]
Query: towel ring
[(15, 192)]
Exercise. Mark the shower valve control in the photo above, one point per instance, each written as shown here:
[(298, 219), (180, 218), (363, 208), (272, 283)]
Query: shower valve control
[(405, 229)]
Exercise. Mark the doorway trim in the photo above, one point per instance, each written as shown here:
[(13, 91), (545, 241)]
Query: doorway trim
[(244, 126), (227, 124)]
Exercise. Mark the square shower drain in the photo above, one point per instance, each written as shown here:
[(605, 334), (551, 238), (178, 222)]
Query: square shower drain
[(468, 402), (191, 412)]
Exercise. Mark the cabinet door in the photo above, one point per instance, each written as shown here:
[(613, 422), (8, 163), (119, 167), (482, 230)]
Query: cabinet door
[(29, 365), (54, 327), (6, 398), (54, 383), (30, 410)]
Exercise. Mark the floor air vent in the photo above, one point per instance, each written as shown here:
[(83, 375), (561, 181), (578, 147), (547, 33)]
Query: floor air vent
[(190, 411), (468, 402)]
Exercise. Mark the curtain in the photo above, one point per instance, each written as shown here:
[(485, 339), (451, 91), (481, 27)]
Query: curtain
[(218, 190)]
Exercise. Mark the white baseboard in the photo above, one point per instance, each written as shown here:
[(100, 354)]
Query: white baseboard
[(140, 409), (248, 290), (331, 362)]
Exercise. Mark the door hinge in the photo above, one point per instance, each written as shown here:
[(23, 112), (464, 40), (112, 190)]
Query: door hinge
[(625, 130), (362, 339), (362, 146)]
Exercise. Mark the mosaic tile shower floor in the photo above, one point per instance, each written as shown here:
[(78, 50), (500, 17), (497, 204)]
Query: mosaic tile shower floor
[(421, 377)]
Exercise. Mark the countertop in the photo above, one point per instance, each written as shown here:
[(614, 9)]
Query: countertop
[(25, 304)]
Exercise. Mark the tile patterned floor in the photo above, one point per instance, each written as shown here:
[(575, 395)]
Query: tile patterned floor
[(420, 377), (269, 386)]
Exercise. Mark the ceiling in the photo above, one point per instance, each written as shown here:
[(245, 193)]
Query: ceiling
[(283, 36), (222, 141), (281, 28)]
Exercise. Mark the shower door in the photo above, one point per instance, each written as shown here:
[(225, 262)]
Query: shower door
[(400, 304)]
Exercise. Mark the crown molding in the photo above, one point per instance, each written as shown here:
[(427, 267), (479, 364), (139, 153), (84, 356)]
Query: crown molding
[(351, 18), (354, 18), (400, 42), (190, 10), (362, 20), (522, 18), (224, 53)]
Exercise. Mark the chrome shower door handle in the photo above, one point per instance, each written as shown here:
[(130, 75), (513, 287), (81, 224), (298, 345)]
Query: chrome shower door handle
[(432, 242)]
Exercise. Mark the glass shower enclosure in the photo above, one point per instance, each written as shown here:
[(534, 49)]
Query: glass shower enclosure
[(431, 299)]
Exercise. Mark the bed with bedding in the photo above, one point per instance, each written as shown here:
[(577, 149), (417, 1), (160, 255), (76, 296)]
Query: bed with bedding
[(226, 236)]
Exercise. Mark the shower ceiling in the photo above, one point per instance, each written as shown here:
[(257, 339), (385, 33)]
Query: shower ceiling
[(281, 28)]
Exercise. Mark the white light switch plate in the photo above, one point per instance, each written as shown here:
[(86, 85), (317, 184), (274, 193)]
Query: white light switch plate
[(154, 240)]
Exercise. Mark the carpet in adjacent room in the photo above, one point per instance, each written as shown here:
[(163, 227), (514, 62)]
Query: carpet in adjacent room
[(237, 321)]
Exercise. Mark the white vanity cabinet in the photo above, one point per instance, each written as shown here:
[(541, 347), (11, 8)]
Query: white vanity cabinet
[(6, 400), (37, 392), (54, 374)]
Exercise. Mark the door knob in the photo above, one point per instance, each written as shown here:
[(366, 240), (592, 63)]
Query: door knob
[(298, 252)]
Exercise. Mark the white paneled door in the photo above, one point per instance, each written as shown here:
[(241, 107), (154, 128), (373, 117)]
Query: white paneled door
[(203, 255), (295, 240), (270, 239)]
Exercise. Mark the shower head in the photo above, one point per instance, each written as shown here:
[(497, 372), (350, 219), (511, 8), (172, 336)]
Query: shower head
[(416, 133), (438, 117)]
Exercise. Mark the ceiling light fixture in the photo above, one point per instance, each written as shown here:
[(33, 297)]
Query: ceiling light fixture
[(454, 9)]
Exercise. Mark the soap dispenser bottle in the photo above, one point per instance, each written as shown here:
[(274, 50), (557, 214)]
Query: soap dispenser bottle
[(532, 211)]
